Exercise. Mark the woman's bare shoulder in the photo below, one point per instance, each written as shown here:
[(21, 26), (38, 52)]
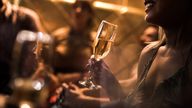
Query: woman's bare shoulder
[(146, 54), (148, 49)]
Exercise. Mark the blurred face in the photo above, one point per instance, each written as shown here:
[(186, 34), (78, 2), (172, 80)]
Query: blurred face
[(166, 12), (80, 16), (150, 34)]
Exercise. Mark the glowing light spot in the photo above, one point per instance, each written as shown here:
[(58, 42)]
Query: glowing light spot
[(25, 105), (37, 85)]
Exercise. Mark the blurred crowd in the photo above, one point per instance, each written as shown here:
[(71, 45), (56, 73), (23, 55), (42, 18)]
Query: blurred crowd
[(24, 60), (40, 69)]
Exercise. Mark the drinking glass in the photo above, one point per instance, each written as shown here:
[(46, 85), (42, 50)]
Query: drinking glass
[(31, 66), (31, 49), (102, 44)]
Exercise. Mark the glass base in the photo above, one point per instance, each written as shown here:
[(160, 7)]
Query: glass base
[(88, 84)]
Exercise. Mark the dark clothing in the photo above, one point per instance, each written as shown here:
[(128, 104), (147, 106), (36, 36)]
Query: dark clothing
[(72, 51), (171, 93), (4, 77), (12, 21)]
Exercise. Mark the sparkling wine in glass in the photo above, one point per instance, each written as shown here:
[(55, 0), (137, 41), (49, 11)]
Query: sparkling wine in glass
[(102, 44)]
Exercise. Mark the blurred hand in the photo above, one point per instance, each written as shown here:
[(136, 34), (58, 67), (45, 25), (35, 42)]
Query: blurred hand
[(100, 72), (103, 76), (75, 97)]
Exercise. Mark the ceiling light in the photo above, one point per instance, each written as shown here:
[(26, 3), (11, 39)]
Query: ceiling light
[(66, 1), (109, 6)]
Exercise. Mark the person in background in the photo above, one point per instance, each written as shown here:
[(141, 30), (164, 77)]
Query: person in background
[(73, 45), (12, 20), (150, 34)]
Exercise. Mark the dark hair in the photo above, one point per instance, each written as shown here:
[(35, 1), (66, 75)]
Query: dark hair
[(5, 77), (1, 3), (86, 5)]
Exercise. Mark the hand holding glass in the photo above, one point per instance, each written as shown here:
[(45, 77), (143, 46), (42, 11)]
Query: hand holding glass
[(102, 44)]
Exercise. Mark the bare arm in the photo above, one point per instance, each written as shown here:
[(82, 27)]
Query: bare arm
[(30, 20)]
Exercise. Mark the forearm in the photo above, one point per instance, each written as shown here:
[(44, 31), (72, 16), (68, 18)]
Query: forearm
[(123, 87), (92, 102), (114, 90), (114, 104), (128, 85), (69, 77), (103, 103)]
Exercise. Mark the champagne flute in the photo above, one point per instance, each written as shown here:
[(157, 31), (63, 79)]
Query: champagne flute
[(102, 44)]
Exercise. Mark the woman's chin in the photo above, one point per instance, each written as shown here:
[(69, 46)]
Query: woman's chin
[(149, 18)]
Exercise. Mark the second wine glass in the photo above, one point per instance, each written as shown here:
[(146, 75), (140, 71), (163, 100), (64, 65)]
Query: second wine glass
[(102, 44)]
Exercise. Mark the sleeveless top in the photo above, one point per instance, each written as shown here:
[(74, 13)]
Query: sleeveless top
[(168, 94)]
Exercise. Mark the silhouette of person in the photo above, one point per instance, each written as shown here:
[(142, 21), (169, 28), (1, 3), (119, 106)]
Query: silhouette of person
[(12, 20), (73, 45)]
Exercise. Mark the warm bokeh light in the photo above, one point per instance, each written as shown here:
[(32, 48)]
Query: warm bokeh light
[(19, 82), (124, 10), (25, 35), (67, 1), (110, 6), (25, 105), (37, 85)]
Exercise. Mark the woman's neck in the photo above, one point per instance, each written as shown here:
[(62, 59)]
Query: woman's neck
[(171, 37), (175, 47), (178, 38)]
